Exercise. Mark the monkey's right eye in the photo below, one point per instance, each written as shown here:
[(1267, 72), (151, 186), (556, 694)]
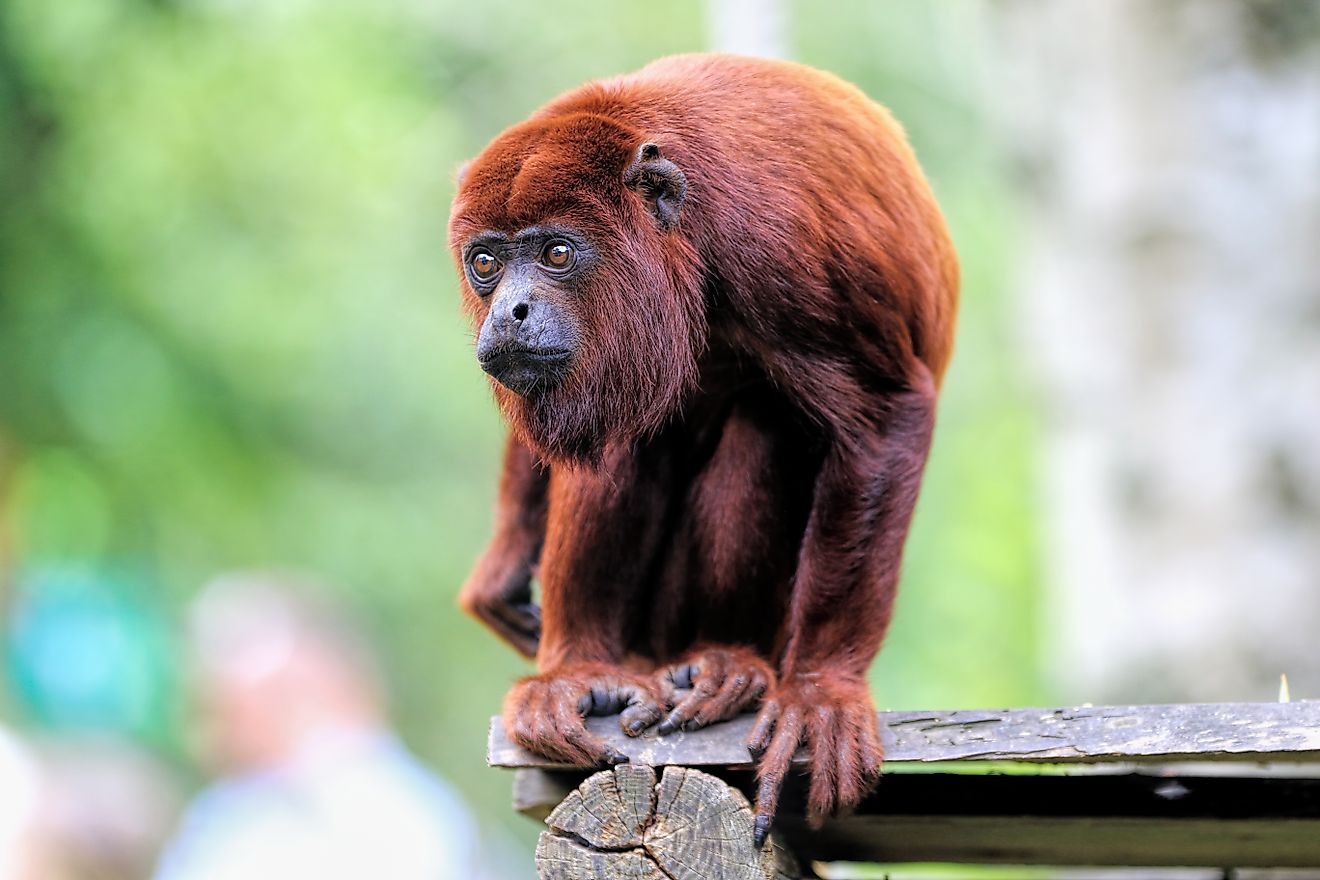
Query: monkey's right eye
[(484, 265)]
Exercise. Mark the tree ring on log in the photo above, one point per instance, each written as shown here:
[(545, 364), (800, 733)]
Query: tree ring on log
[(620, 823)]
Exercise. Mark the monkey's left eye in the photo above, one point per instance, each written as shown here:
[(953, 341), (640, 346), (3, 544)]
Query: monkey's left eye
[(558, 255), (484, 265)]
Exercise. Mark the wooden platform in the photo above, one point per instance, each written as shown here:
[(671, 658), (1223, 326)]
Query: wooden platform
[(1223, 785)]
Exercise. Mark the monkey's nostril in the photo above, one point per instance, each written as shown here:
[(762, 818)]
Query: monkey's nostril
[(520, 312)]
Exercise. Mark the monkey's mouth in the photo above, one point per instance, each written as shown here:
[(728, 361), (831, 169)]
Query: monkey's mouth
[(525, 370)]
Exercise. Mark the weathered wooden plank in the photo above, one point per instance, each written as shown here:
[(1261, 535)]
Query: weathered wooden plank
[(537, 792), (1121, 819), (1191, 732)]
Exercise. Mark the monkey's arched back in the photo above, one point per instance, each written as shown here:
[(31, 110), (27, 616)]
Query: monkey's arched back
[(820, 168)]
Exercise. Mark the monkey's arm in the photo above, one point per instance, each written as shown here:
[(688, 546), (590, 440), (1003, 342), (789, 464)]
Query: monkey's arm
[(499, 590), (605, 527), (843, 597)]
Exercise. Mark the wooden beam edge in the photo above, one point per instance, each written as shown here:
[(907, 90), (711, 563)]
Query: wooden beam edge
[(1240, 732)]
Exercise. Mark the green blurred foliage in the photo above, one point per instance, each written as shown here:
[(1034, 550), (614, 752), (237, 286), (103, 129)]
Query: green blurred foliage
[(229, 332)]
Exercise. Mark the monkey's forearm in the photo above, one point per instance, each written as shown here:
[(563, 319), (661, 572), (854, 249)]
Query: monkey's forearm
[(847, 579), (499, 590)]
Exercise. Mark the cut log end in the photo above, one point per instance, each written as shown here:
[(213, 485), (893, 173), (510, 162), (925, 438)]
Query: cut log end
[(620, 823)]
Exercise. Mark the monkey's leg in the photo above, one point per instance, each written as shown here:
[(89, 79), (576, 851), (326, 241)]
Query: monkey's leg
[(499, 590), (842, 601), (736, 551), (605, 528)]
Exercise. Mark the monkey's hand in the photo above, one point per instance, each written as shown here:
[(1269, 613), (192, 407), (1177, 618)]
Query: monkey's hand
[(499, 594), (546, 713), (834, 717), (519, 623), (724, 681)]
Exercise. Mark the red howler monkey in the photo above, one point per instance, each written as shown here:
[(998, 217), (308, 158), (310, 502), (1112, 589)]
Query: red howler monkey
[(715, 298)]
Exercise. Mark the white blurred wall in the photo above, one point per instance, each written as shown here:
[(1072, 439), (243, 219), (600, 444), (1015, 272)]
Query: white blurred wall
[(1170, 315), (748, 27)]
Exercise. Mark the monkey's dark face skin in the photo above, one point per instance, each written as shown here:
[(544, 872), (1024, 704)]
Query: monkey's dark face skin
[(529, 339), (588, 304)]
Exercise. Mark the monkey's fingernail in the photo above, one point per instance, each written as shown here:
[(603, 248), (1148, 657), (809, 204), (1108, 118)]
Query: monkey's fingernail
[(637, 727), (761, 831), (665, 727), (756, 750), (617, 758)]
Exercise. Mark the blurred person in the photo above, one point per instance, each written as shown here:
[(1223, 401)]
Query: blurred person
[(313, 783), (20, 787), (80, 809)]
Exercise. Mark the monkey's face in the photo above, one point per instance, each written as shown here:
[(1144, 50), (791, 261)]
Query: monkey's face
[(529, 338), (585, 296)]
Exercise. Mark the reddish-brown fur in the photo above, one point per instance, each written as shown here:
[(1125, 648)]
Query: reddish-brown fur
[(719, 493)]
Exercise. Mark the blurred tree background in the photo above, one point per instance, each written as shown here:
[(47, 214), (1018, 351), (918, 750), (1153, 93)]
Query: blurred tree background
[(230, 337)]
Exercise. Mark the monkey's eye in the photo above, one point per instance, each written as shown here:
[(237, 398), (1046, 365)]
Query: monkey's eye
[(484, 265), (558, 255)]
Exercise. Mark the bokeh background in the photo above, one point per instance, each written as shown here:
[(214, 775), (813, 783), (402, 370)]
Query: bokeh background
[(230, 337)]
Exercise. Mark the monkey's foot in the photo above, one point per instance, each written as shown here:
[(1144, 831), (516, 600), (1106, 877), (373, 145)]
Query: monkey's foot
[(835, 718), (545, 713), (724, 681)]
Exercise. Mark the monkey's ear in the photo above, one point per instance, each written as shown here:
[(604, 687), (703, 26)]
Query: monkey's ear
[(659, 182)]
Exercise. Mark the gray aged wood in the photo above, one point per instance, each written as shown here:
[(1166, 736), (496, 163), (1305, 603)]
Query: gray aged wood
[(1195, 732), (1227, 808), (1148, 819), (691, 826)]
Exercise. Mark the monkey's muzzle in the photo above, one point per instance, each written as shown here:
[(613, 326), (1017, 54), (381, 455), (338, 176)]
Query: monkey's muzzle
[(524, 370)]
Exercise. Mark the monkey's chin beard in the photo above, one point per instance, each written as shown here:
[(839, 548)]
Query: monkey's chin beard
[(528, 372), (572, 410), (572, 423)]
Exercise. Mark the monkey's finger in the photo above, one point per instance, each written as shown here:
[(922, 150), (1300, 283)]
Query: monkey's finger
[(682, 675), (577, 744), (688, 707), (870, 750), (526, 616), (739, 693), (531, 612), (772, 770), (605, 697), (521, 623), (757, 687), (526, 645), (665, 689), (644, 709), (759, 739), (727, 702), (587, 750), (522, 707), (867, 752), (541, 724), (832, 765)]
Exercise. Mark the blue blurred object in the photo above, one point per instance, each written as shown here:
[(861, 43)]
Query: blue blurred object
[(82, 654)]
